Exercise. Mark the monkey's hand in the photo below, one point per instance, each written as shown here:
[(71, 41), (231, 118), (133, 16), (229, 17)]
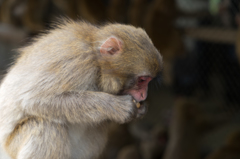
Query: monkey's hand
[(123, 110), (142, 109)]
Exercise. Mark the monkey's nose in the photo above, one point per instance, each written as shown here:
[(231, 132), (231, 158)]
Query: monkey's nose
[(143, 95)]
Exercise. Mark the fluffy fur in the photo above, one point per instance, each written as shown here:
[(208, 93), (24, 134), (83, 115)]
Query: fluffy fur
[(57, 97)]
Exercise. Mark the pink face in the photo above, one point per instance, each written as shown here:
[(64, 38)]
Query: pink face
[(139, 93)]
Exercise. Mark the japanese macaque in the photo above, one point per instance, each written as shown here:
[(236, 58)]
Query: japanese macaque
[(115, 143), (231, 149), (58, 97), (189, 124), (183, 132), (150, 143)]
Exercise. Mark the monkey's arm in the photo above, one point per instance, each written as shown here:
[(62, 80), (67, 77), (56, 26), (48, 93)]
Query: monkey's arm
[(82, 107)]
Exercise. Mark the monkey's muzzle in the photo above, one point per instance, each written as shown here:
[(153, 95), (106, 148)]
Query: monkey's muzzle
[(137, 103), (142, 108)]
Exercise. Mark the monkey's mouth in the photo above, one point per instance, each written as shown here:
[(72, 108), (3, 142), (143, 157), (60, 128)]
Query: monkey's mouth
[(141, 108), (138, 104)]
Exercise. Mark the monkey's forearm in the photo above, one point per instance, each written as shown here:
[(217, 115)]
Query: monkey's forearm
[(82, 107)]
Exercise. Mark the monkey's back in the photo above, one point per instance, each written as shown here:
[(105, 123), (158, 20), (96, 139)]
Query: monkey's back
[(51, 65)]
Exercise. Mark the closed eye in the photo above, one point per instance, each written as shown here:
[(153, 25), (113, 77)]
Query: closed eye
[(143, 80)]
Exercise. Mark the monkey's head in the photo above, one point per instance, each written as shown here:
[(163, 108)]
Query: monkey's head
[(128, 61)]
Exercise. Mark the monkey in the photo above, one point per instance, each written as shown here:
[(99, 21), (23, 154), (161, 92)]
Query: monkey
[(183, 135), (150, 143), (230, 149), (129, 152), (114, 143), (3, 155), (188, 124), (63, 89)]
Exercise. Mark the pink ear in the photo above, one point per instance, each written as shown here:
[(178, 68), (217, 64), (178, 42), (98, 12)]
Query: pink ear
[(111, 46)]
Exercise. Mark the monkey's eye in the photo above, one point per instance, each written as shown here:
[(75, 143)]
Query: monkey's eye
[(143, 79)]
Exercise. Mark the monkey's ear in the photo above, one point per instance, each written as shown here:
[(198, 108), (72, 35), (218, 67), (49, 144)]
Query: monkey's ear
[(111, 46)]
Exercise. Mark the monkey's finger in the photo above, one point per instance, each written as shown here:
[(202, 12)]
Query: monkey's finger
[(137, 103)]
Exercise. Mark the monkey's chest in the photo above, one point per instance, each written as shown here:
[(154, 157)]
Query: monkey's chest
[(86, 142)]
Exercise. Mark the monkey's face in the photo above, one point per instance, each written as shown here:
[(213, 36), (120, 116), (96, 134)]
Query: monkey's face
[(139, 91), (128, 65)]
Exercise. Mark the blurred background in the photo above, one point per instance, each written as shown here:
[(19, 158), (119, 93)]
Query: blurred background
[(195, 112)]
